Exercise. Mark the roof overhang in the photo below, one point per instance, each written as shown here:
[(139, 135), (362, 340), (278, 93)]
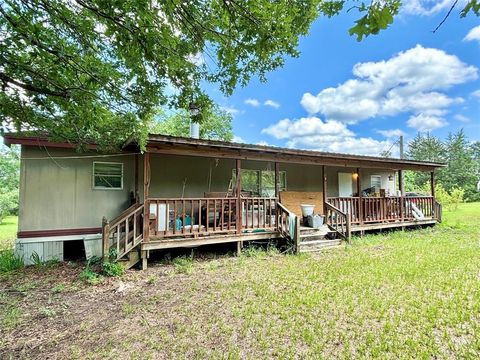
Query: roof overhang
[(221, 149)]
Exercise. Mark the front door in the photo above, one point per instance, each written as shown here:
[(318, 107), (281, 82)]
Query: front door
[(344, 184)]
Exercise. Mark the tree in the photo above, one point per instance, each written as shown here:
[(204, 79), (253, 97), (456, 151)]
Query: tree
[(425, 148), (92, 70), (9, 180), (216, 124)]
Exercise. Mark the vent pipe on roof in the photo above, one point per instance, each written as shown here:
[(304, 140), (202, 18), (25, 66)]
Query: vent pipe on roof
[(194, 125), (194, 130)]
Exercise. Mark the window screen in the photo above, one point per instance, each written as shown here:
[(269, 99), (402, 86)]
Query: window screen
[(107, 175), (376, 182), (261, 182)]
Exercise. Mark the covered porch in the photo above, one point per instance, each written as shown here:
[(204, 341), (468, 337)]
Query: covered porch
[(190, 195)]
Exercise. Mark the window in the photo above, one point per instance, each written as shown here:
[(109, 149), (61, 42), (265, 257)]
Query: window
[(376, 182), (107, 175), (261, 182)]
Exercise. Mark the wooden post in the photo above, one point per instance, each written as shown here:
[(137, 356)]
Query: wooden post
[(238, 187), (324, 175), (135, 169), (402, 194), (105, 237), (360, 197), (277, 180), (349, 230), (432, 184), (146, 203), (297, 234)]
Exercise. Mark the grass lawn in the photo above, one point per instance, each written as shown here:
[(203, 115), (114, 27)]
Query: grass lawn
[(8, 232), (413, 294)]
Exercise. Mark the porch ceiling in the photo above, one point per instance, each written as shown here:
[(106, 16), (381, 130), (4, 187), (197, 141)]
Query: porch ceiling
[(220, 149)]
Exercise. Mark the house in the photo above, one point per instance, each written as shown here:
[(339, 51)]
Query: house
[(185, 192)]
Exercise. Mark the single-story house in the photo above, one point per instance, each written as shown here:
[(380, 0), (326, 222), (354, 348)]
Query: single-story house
[(185, 192)]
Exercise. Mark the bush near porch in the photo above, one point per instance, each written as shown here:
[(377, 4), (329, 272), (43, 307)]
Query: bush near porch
[(400, 294)]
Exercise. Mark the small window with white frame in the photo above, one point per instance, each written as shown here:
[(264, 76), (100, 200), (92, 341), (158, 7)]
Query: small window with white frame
[(107, 175)]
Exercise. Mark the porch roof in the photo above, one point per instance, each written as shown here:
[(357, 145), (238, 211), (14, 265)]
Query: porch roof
[(230, 150), (222, 149)]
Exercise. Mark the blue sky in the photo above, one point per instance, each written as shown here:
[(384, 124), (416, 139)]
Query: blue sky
[(357, 97)]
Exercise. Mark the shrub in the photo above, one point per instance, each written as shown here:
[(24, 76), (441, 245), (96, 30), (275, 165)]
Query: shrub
[(90, 276), (112, 268), (9, 261), (8, 203)]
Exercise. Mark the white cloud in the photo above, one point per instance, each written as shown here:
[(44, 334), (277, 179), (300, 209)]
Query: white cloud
[(231, 110), (476, 93), (271, 103), (391, 133), (308, 126), (423, 122), (461, 118), (332, 136), (263, 143), (238, 139), (410, 81), (427, 7), (252, 102), (473, 34)]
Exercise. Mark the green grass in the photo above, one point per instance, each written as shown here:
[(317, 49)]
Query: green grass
[(397, 295), (8, 232)]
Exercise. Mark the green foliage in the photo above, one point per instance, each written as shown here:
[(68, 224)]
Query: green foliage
[(9, 261), (90, 276), (461, 156), (94, 70), (183, 264), (450, 200), (216, 124), (9, 181), (112, 269)]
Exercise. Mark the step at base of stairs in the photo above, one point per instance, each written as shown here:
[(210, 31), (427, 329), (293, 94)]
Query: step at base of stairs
[(317, 245), (130, 260)]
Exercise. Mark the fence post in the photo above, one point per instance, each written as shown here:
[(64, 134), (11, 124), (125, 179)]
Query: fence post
[(105, 237)]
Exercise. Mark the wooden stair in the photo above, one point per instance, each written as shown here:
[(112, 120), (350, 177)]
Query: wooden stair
[(312, 240), (131, 259)]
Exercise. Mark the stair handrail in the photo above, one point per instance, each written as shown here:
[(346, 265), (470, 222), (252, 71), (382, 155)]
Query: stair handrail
[(129, 223), (437, 208), (288, 225), (338, 221)]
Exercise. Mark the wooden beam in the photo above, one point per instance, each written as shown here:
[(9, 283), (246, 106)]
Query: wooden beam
[(285, 157), (238, 187), (360, 196), (432, 184), (277, 179), (146, 191), (136, 177), (324, 189), (401, 185)]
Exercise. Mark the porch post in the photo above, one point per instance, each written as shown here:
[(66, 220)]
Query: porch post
[(136, 178), (277, 180), (432, 183), (238, 186), (324, 175), (146, 203), (402, 194), (360, 197)]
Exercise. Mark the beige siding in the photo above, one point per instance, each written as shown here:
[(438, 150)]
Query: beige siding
[(58, 193)]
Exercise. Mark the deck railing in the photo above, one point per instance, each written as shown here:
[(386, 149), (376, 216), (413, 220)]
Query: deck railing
[(339, 221), (173, 217), (367, 210), (124, 232)]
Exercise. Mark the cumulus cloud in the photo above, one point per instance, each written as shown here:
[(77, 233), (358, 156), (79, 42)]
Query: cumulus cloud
[(476, 93), (314, 134), (423, 122), (411, 81), (271, 103), (231, 110), (391, 133), (473, 34), (252, 102), (426, 7)]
